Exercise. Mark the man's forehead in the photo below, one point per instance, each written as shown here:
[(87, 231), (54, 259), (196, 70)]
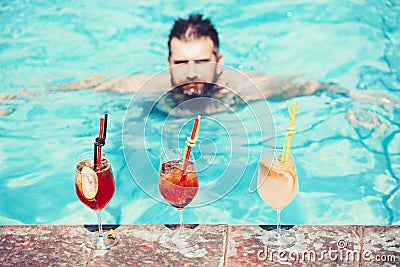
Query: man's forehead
[(192, 48), (190, 40)]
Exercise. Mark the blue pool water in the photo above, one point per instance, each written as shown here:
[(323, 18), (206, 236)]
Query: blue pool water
[(347, 151)]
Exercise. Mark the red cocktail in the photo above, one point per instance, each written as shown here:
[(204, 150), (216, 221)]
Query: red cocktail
[(94, 192), (178, 187), (95, 187)]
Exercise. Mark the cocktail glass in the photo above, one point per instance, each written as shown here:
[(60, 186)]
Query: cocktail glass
[(277, 186), (178, 188), (95, 189)]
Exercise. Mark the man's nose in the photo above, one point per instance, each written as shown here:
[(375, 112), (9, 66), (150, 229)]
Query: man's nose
[(191, 71)]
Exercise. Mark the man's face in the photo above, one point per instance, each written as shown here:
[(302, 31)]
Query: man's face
[(192, 65)]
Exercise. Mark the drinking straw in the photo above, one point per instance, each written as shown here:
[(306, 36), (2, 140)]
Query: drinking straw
[(189, 143), (100, 141), (289, 131), (105, 126)]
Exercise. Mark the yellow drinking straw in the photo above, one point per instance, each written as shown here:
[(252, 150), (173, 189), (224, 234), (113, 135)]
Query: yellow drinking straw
[(191, 141), (289, 131)]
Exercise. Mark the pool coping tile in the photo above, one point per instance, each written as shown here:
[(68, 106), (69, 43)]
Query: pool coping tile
[(217, 245)]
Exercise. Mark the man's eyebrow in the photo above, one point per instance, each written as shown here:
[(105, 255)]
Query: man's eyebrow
[(195, 61), (202, 60), (181, 61)]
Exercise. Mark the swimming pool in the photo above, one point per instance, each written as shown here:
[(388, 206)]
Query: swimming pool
[(347, 152)]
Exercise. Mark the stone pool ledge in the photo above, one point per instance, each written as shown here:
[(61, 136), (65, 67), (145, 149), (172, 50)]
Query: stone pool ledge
[(218, 245)]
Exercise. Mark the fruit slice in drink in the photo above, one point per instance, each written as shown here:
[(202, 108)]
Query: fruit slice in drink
[(277, 185), (94, 189), (89, 183)]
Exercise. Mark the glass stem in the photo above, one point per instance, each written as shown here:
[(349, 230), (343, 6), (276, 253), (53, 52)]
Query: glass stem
[(278, 223), (99, 223), (181, 221)]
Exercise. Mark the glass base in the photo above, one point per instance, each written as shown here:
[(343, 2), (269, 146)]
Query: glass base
[(94, 241), (185, 238), (273, 240)]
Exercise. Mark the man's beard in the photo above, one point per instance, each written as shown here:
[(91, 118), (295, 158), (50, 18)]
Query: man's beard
[(187, 99), (191, 90), (198, 99)]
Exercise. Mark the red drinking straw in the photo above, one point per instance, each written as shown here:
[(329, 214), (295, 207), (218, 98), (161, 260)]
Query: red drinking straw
[(188, 148), (100, 141), (98, 160)]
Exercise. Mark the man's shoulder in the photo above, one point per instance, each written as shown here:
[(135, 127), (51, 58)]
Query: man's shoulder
[(141, 83), (248, 85)]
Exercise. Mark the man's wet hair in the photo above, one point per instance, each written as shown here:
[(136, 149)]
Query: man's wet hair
[(194, 28)]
